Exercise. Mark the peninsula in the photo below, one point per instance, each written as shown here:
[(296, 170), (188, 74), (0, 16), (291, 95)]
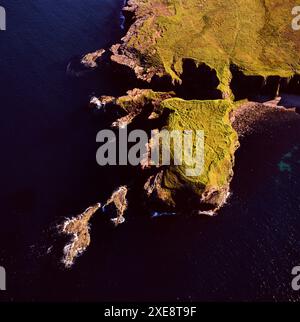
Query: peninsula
[(199, 62)]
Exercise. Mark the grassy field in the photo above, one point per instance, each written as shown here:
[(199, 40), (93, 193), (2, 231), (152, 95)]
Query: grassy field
[(255, 35)]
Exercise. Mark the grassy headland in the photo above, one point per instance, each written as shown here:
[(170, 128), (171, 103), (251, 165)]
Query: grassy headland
[(255, 35)]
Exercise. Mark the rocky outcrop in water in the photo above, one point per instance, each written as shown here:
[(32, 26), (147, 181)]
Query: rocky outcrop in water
[(92, 59), (79, 230), (79, 227)]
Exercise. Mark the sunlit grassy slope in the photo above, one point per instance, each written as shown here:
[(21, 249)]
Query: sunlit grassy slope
[(220, 143), (256, 35)]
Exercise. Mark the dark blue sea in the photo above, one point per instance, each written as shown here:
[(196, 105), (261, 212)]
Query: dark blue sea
[(49, 172)]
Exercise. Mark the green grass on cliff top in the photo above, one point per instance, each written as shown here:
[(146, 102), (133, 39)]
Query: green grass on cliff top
[(256, 35), (221, 141)]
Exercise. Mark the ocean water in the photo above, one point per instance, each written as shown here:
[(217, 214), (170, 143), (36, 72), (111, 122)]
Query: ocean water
[(49, 172)]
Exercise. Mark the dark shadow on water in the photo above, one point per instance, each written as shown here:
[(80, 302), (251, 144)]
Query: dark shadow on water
[(198, 82)]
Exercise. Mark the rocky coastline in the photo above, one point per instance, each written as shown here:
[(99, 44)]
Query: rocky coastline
[(220, 112)]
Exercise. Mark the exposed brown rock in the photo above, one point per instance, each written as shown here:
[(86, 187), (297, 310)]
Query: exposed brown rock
[(78, 227), (90, 60), (118, 198)]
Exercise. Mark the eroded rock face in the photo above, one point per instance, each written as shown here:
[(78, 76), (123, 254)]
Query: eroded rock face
[(79, 230), (123, 55)]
